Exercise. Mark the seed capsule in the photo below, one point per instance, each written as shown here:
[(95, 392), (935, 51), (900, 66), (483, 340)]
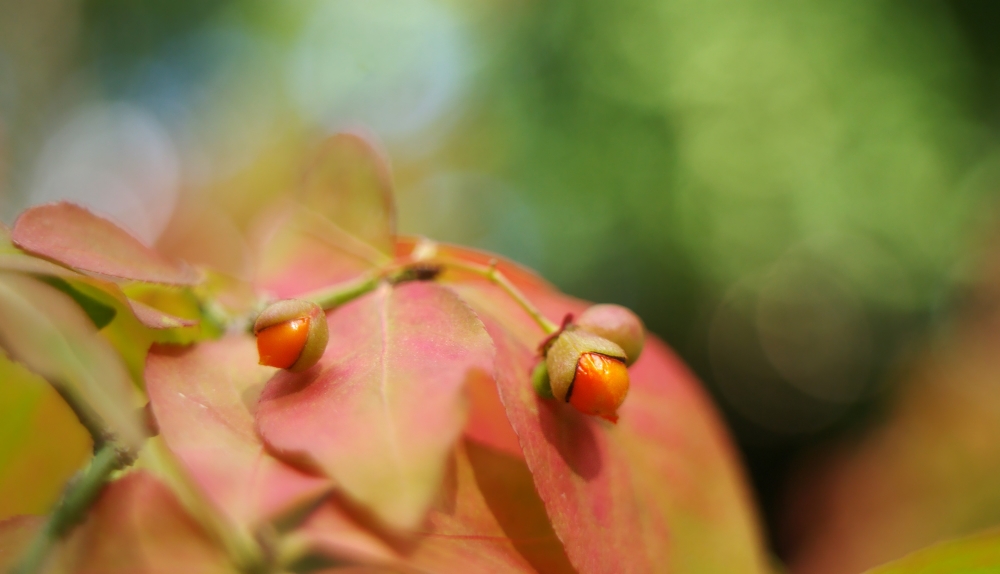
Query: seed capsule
[(291, 334), (588, 371), (600, 386), (618, 325)]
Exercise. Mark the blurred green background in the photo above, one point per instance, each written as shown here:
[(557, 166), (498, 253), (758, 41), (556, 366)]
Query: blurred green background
[(792, 194)]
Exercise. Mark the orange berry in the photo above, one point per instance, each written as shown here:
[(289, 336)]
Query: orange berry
[(291, 334), (600, 385), (281, 345)]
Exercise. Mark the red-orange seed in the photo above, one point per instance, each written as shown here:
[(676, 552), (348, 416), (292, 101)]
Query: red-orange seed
[(600, 385), (281, 345)]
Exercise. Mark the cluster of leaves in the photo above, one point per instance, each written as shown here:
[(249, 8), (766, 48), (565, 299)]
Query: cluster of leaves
[(417, 443)]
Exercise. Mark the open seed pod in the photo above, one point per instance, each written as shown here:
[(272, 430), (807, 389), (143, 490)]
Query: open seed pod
[(617, 324), (291, 334), (588, 371)]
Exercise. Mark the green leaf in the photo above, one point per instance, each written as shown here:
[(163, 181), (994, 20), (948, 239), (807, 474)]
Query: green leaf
[(98, 312), (47, 332), (979, 554)]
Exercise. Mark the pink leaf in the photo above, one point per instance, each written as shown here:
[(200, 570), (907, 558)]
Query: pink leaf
[(203, 398), (581, 476), (138, 526), (384, 406), (487, 519), (659, 491), (71, 235)]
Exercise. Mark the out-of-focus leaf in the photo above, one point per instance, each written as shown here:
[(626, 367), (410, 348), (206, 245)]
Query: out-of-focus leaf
[(382, 409), (45, 330), (973, 555), (302, 251), (41, 442), (488, 518), (203, 398), (98, 312), (349, 183), (147, 315), (15, 535), (928, 472), (660, 491), (343, 225), (71, 235), (138, 526)]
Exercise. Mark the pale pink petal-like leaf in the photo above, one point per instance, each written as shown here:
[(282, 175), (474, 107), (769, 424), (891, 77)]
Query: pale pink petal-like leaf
[(301, 251), (137, 526), (45, 330), (349, 183), (382, 409), (342, 224), (203, 398), (487, 519), (71, 235)]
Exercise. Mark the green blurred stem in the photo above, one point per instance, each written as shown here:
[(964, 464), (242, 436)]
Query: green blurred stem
[(80, 493), (492, 274), (341, 293), (86, 415)]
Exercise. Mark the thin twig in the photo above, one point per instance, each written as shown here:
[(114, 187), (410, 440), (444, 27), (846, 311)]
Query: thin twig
[(494, 275)]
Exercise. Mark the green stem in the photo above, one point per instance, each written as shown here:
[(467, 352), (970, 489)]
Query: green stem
[(86, 415), (79, 494), (492, 274), (341, 293)]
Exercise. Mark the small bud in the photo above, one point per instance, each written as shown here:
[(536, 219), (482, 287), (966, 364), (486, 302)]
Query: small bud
[(565, 352), (618, 325), (291, 334)]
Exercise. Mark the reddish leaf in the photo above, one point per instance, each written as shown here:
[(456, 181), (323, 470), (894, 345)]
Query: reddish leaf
[(487, 519), (137, 526), (488, 424), (579, 473), (382, 409), (203, 398), (685, 472), (46, 331), (349, 183), (15, 535), (659, 491), (71, 235)]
